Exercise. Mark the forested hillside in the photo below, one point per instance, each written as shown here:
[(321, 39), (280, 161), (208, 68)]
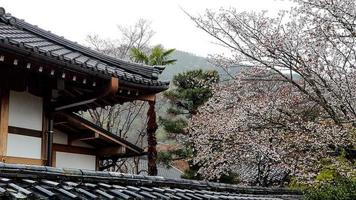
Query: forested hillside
[(185, 61)]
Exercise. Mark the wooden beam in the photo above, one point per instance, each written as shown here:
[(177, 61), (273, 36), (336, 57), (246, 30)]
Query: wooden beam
[(4, 119), (103, 135), (82, 137), (24, 131), (20, 160), (147, 97), (111, 151), (74, 149), (114, 86)]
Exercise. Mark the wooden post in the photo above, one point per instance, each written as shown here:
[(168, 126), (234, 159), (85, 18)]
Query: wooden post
[(151, 139), (4, 111), (4, 118), (50, 139)]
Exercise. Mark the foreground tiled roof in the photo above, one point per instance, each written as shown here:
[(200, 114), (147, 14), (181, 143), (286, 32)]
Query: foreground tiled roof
[(39, 182), (20, 36)]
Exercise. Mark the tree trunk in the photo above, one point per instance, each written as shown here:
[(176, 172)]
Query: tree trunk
[(151, 139)]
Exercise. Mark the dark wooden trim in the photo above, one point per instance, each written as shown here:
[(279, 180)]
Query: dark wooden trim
[(44, 147), (74, 149), (25, 131), (97, 163), (20, 160), (50, 120), (146, 97), (54, 158)]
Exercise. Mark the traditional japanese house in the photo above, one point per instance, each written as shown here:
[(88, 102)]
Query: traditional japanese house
[(49, 152), (44, 79)]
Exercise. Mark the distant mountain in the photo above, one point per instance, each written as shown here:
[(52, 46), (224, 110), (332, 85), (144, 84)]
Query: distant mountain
[(185, 62), (188, 61)]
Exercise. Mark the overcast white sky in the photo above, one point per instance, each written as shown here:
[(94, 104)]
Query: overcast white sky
[(75, 19)]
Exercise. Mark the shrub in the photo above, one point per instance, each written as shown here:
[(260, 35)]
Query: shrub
[(340, 188)]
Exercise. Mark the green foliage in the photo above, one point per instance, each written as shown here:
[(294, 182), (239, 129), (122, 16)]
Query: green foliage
[(336, 180), (165, 158), (340, 188), (336, 168), (196, 78), (192, 89), (192, 173), (161, 134), (139, 56), (174, 111), (157, 56), (173, 126), (184, 153), (296, 184), (327, 174), (231, 178)]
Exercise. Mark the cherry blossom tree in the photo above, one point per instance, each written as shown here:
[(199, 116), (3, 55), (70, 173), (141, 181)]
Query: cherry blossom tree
[(296, 102)]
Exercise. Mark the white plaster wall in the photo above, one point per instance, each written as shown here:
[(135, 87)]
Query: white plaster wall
[(25, 110), (23, 146), (72, 160)]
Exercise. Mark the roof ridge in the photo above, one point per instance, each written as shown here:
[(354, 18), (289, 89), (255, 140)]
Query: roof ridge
[(150, 71)]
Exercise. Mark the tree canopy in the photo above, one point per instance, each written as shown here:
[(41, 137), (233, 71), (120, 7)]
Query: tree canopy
[(158, 56), (295, 103)]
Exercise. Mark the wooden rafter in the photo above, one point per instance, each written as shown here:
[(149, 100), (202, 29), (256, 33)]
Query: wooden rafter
[(110, 89)]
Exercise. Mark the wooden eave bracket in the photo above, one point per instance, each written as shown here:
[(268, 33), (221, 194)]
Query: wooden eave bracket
[(111, 89), (150, 97), (111, 151)]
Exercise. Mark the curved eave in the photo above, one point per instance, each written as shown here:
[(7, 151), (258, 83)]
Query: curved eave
[(147, 71), (143, 87), (152, 86)]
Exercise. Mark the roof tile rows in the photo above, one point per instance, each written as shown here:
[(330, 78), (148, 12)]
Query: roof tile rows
[(39, 182), (20, 34)]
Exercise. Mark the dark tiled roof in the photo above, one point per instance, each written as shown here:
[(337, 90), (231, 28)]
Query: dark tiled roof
[(39, 182), (22, 36)]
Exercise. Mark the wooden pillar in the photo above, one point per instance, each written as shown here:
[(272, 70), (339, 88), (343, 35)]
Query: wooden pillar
[(4, 119), (50, 139), (151, 139), (4, 110)]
